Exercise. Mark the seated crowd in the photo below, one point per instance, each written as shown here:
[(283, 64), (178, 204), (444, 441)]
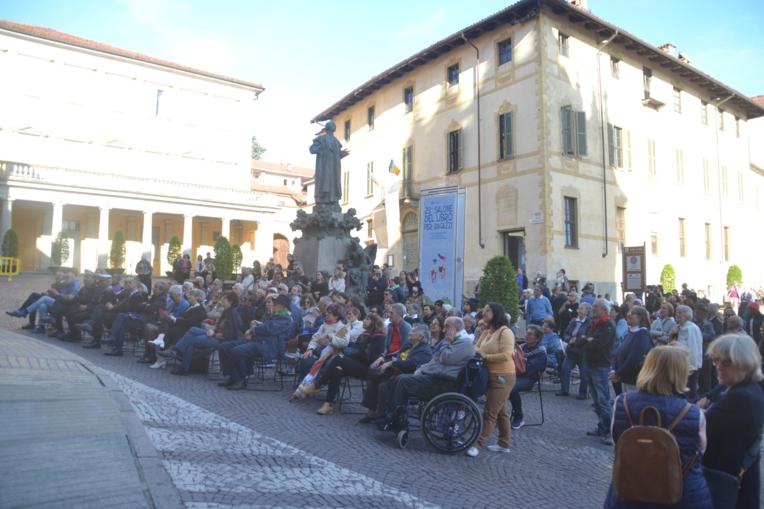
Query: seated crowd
[(404, 345)]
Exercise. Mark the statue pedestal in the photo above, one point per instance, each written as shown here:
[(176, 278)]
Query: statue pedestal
[(325, 237)]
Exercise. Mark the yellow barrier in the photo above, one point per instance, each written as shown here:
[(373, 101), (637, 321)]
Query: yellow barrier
[(9, 266)]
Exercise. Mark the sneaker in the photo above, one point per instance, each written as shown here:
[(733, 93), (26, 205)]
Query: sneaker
[(472, 452), (158, 364), (325, 409), (607, 440), (518, 423), (497, 448), (16, 313)]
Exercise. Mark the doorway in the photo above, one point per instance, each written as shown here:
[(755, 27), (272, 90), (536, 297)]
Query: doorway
[(514, 247)]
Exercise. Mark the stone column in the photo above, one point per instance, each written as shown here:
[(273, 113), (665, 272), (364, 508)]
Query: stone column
[(57, 220), (225, 231), (188, 224), (264, 242), (103, 237), (146, 246), (6, 217)]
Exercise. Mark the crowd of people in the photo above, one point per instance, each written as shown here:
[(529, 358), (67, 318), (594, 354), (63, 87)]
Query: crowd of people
[(658, 349)]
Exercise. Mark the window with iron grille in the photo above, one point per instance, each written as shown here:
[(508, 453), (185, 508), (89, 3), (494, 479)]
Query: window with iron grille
[(505, 135), (455, 151), (505, 51), (571, 221)]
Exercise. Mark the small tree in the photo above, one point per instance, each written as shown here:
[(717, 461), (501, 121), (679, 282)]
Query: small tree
[(59, 250), (11, 244), (734, 275), (499, 284), (174, 249), (668, 278), (236, 257), (117, 255), (257, 149), (223, 258)]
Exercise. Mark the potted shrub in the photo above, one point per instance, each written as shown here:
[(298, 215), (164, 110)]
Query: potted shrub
[(734, 275), (223, 258), (668, 278), (59, 252), (236, 257), (174, 249), (117, 254), (499, 284), (10, 247)]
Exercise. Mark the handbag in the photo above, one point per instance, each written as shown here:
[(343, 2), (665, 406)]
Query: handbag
[(725, 487)]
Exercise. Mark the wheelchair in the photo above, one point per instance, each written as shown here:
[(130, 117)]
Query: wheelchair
[(451, 422)]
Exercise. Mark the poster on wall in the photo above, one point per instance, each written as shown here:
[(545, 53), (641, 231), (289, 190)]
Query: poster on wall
[(441, 243), (634, 274)]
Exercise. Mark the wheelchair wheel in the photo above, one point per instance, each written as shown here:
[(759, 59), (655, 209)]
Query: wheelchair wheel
[(402, 439), (451, 422)]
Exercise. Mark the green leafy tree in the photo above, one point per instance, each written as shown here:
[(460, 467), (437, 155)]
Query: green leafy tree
[(257, 149), (174, 249), (11, 244), (223, 258), (668, 278), (499, 284), (59, 250), (236, 257), (117, 255), (734, 275)]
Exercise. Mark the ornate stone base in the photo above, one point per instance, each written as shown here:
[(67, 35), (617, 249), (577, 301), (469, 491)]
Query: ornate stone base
[(325, 237)]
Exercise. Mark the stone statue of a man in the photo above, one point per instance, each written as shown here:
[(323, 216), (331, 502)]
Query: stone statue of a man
[(328, 177)]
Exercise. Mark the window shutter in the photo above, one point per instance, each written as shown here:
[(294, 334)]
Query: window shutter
[(565, 120), (611, 144), (460, 154), (627, 148), (581, 132), (508, 138)]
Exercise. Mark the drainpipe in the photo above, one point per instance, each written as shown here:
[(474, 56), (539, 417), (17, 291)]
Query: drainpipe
[(477, 96), (605, 250)]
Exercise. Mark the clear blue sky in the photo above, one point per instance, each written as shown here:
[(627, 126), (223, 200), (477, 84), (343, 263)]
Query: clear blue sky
[(308, 54)]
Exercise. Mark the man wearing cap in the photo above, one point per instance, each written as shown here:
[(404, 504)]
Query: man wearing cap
[(265, 340)]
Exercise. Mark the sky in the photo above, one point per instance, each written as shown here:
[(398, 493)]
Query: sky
[(308, 54)]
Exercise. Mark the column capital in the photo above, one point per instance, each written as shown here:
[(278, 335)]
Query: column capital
[(104, 208)]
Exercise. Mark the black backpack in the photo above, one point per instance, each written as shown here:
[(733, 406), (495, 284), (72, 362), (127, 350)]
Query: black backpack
[(473, 379)]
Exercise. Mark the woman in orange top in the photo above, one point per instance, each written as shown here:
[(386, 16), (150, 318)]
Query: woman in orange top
[(496, 345)]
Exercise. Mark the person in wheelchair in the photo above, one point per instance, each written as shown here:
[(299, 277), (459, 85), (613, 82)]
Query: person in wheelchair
[(535, 364), (435, 377), (265, 340), (387, 367)]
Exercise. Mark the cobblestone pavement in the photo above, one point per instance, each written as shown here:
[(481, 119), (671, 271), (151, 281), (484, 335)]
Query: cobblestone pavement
[(254, 449)]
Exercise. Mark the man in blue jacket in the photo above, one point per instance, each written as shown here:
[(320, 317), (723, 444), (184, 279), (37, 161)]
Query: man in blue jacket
[(265, 340), (538, 308)]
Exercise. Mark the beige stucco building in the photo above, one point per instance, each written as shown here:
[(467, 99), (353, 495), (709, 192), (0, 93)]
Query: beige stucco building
[(572, 138), (95, 139)]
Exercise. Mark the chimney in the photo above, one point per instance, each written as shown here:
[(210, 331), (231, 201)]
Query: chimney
[(669, 48), (581, 4), (684, 59)]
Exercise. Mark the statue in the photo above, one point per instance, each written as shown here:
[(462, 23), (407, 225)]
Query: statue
[(359, 262), (328, 176)]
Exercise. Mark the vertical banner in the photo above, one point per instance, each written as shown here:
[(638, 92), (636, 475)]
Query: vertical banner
[(441, 243)]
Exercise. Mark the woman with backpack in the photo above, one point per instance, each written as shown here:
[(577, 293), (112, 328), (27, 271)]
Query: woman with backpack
[(660, 439), (496, 345)]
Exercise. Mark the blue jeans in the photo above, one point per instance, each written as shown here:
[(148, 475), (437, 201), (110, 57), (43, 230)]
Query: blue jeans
[(196, 337), (599, 385), (242, 357), (41, 306), (124, 323), (567, 367), (224, 351)]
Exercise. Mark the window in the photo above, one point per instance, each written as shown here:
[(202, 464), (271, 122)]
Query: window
[(647, 78), (408, 99), (679, 166), (452, 75), (455, 151), (563, 45), (505, 51), (737, 127), (370, 117), (369, 178), (682, 239), (620, 225), (677, 100), (345, 187), (706, 177), (740, 188), (573, 131), (571, 222), (615, 67), (651, 170), (347, 130), (708, 241), (615, 145), (704, 112), (654, 243), (725, 187), (726, 239), (721, 119), (369, 228), (285, 181), (505, 135)]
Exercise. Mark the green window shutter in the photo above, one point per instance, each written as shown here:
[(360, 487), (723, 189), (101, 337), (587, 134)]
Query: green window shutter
[(581, 132), (611, 144), (567, 135)]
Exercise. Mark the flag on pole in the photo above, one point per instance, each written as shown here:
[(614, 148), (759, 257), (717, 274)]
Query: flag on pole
[(393, 168)]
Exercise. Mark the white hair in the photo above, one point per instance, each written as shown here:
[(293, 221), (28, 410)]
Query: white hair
[(686, 311)]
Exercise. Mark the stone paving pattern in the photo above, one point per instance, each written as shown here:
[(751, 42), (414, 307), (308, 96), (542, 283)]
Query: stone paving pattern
[(255, 449)]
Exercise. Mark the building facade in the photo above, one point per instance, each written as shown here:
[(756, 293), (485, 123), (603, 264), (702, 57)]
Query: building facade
[(95, 140), (572, 138)]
